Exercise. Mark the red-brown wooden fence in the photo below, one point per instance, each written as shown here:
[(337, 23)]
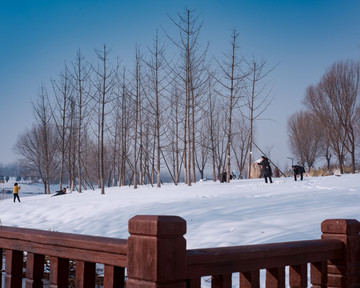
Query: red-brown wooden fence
[(155, 255)]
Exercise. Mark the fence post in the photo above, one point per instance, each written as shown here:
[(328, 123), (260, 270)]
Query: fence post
[(156, 252), (344, 272)]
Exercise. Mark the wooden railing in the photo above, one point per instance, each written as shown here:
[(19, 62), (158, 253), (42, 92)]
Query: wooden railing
[(60, 248), (155, 255), (249, 260)]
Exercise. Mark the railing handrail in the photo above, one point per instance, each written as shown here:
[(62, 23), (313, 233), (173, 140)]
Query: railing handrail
[(156, 253), (213, 261), (96, 249), (236, 258)]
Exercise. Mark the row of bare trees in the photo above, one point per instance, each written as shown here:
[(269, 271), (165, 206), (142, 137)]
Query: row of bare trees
[(330, 124), (99, 123)]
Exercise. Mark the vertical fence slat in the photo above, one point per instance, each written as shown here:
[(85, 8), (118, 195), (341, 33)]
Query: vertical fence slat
[(34, 270), (275, 278), (298, 276), (1, 263), (59, 272), (85, 274), (13, 268), (114, 277), (221, 281), (250, 279), (318, 274)]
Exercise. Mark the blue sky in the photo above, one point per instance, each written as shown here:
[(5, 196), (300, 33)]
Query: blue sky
[(303, 37)]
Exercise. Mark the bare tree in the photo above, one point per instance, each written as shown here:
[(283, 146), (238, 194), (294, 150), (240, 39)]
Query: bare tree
[(72, 144), (63, 92), (115, 144), (256, 99), (202, 152), (212, 124), (199, 79), (335, 101), (38, 147), (240, 142), (318, 103), (232, 85), (137, 94), (35, 153), (81, 72), (326, 149), (149, 150), (106, 76), (125, 123), (220, 145), (341, 83), (156, 79), (305, 137), (189, 73), (176, 118)]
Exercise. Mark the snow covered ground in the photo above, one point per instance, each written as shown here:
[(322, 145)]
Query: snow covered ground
[(217, 214)]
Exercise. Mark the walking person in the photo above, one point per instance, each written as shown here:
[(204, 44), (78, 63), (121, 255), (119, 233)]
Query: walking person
[(298, 170), (265, 169), (16, 192)]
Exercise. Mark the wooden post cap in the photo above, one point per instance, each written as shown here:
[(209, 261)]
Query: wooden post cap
[(154, 225), (340, 226)]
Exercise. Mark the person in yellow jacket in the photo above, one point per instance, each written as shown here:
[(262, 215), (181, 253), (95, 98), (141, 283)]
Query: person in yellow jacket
[(16, 192)]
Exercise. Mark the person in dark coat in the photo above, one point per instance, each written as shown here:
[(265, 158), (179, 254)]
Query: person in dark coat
[(298, 170), (223, 177), (265, 168), (60, 192)]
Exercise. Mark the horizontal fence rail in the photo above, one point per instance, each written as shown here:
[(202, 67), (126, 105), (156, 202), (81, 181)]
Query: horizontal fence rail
[(222, 262), (155, 256), (202, 262), (60, 248)]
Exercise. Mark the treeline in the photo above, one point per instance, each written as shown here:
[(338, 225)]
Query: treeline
[(330, 123), (99, 123), (9, 170)]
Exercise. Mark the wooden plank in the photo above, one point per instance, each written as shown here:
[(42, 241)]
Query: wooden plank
[(114, 277), (250, 279), (298, 276), (59, 272), (275, 278), (318, 274), (1, 263), (34, 270), (13, 268), (94, 243), (85, 274)]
